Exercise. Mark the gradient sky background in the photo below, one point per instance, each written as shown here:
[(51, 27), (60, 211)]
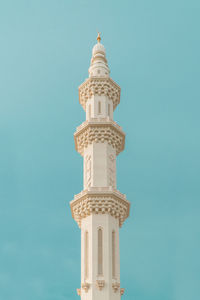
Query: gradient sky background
[(153, 51)]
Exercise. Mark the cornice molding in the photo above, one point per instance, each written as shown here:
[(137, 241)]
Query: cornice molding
[(99, 86), (116, 286), (100, 284), (99, 131), (85, 286), (100, 201)]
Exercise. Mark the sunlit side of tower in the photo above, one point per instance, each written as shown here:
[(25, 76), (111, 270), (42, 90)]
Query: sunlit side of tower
[(100, 209)]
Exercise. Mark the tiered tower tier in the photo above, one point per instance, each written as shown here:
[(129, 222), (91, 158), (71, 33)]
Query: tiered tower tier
[(99, 209)]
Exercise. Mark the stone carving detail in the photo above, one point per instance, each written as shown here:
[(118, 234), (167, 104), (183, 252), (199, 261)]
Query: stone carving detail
[(112, 174), (100, 284), (116, 286), (88, 169), (99, 133), (99, 86), (85, 286), (78, 292), (89, 203), (122, 291)]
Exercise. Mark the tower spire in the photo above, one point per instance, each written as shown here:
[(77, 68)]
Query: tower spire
[(99, 66), (100, 209)]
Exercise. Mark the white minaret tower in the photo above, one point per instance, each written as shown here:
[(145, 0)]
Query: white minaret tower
[(100, 209)]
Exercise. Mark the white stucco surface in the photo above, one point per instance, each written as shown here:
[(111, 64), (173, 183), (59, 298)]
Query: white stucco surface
[(99, 209)]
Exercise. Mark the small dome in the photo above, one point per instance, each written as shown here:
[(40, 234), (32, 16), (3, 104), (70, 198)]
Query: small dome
[(98, 48)]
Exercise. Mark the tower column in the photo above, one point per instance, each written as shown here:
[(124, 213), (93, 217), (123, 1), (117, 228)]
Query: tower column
[(99, 165), (100, 209)]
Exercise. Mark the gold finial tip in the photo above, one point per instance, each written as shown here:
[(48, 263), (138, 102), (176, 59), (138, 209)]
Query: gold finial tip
[(98, 37)]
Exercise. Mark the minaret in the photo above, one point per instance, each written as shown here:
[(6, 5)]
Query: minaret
[(100, 209)]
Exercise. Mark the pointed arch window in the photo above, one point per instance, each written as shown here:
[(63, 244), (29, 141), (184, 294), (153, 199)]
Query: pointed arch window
[(89, 111), (86, 255), (109, 110), (100, 251), (99, 107), (113, 256)]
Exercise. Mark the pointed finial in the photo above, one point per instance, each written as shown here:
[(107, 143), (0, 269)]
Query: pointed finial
[(98, 37)]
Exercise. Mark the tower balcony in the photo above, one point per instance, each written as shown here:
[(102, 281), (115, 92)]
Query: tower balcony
[(99, 86), (99, 130), (100, 200)]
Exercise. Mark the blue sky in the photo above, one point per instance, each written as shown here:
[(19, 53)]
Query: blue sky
[(153, 52)]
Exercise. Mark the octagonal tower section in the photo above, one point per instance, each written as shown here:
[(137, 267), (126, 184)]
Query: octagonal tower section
[(100, 209)]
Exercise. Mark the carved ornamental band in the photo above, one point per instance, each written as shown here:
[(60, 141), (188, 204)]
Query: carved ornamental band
[(99, 86), (100, 202), (99, 132)]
